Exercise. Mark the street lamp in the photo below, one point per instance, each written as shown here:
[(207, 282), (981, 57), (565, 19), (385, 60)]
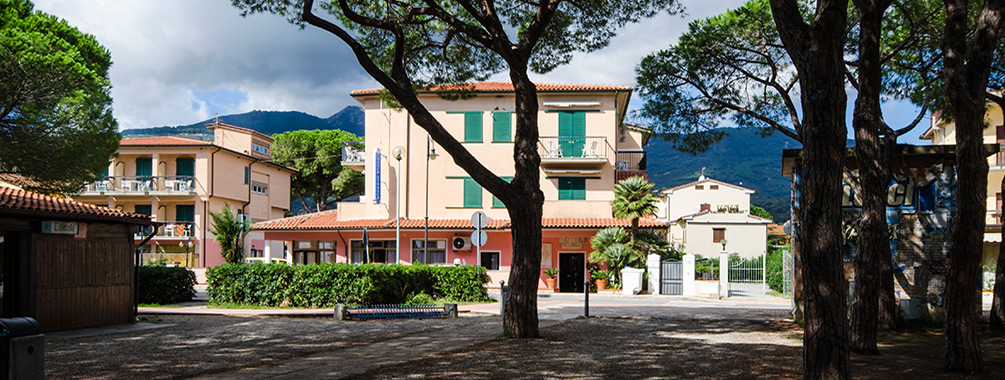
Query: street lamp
[(398, 153), (430, 154)]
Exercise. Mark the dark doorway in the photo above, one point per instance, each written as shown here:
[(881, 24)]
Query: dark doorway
[(570, 272)]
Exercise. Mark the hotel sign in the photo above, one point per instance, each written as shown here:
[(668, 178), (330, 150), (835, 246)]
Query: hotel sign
[(55, 227)]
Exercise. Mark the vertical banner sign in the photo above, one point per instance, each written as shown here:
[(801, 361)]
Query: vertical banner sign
[(376, 169)]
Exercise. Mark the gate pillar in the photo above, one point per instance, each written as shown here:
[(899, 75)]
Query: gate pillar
[(723, 275), (688, 281), (653, 265)]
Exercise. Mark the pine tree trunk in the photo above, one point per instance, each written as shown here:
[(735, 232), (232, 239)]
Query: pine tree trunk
[(887, 300), (817, 53), (873, 239)]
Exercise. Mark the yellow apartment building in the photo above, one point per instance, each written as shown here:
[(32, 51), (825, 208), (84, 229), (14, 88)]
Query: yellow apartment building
[(584, 144), (179, 181)]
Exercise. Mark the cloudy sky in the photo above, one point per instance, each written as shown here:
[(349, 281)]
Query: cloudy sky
[(182, 61)]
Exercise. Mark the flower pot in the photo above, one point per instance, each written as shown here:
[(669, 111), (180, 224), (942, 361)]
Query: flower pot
[(601, 284), (552, 283)]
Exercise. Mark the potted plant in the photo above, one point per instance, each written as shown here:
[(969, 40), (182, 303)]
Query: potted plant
[(600, 277), (552, 281)]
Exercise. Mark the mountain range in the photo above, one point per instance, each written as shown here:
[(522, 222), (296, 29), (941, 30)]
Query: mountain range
[(742, 157), (349, 119)]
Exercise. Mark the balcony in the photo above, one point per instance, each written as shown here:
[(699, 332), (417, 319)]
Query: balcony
[(631, 164), (141, 185), (171, 231), (999, 158), (993, 220), (354, 155), (573, 152)]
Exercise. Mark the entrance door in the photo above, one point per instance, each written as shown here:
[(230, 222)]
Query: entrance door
[(571, 267)]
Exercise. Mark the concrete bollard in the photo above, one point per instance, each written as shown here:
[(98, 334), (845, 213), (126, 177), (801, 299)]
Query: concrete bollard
[(586, 300), (340, 312), (451, 309), (503, 293)]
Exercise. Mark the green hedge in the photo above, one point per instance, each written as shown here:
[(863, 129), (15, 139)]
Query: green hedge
[(774, 267), (165, 285), (324, 285)]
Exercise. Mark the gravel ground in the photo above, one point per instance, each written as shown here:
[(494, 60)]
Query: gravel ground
[(200, 345), (636, 348)]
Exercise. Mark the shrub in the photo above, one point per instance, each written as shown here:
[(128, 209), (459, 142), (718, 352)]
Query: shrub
[(165, 285), (774, 267), (324, 285)]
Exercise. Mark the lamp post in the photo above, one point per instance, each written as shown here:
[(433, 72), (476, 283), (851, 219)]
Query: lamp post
[(398, 153), (430, 154)]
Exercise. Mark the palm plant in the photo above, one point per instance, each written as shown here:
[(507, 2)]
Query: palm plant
[(610, 246), (633, 199), (230, 231)]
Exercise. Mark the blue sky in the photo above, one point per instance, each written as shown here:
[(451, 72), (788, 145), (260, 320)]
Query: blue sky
[(182, 61)]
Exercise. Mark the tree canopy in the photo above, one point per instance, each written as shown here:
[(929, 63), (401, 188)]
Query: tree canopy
[(230, 231), (317, 154), (55, 104)]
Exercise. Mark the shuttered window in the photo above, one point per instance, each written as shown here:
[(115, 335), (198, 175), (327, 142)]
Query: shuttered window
[(495, 201), (144, 167), (502, 122), (472, 194), (185, 213), (143, 209), (247, 174), (185, 166), (571, 189), (718, 234), (473, 127)]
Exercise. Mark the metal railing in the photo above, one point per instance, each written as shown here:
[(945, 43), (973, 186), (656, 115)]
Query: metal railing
[(142, 184), (176, 230), (993, 218), (999, 157), (631, 161), (353, 152), (572, 147)]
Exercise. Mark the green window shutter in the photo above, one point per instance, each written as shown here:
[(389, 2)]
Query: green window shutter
[(144, 210), (473, 127), (185, 166), (144, 167), (571, 188), (184, 213), (502, 122), (572, 132), (495, 201), (247, 174), (472, 193)]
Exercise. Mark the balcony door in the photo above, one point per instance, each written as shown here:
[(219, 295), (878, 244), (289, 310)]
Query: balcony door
[(572, 132)]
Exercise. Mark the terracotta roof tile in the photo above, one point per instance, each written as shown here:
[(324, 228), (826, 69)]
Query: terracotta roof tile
[(162, 140), (18, 180), (242, 129), (328, 220), (508, 87), (26, 203), (776, 230)]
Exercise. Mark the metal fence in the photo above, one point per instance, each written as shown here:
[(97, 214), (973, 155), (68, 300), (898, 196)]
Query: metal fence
[(788, 266), (747, 277), (572, 147)]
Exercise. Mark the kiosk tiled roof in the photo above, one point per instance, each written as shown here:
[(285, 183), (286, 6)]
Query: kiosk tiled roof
[(15, 202)]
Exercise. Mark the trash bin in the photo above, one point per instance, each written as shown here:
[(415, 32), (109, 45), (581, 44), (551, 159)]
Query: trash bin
[(22, 349)]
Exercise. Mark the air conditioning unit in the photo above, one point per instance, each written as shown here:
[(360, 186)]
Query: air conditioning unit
[(461, 243)]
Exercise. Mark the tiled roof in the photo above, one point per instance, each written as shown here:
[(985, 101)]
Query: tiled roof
[(508, 87), (25, 203), (242, 129), (776, 230), (18, 180), (162, 140), (670, 190), (328, 220)]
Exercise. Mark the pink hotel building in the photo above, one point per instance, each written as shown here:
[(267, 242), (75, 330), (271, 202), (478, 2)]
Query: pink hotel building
[(585, 148)]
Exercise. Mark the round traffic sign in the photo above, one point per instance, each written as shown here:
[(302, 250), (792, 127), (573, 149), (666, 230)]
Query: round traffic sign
[(479, 219), (479, 237)]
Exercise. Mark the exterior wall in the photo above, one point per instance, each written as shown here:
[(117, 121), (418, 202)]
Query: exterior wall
[(554, 242), (233, 140), (748, 240), (387, 129), (688, 200)]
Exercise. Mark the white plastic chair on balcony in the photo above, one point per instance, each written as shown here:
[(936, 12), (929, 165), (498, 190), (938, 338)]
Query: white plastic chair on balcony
[(554, 150), (590, 151)]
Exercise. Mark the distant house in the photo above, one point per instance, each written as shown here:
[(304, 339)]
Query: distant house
[(181, 181), (67, 264), (706, 214)]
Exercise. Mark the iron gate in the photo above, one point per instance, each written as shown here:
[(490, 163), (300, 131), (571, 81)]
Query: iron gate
[(672, 277), (747, 277)]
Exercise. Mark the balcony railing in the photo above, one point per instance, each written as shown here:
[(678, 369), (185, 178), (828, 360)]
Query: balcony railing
[(999, 159), (993, 219), (172, 230), (353, 153), (631, 161), (573, 147), (142, 184)]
